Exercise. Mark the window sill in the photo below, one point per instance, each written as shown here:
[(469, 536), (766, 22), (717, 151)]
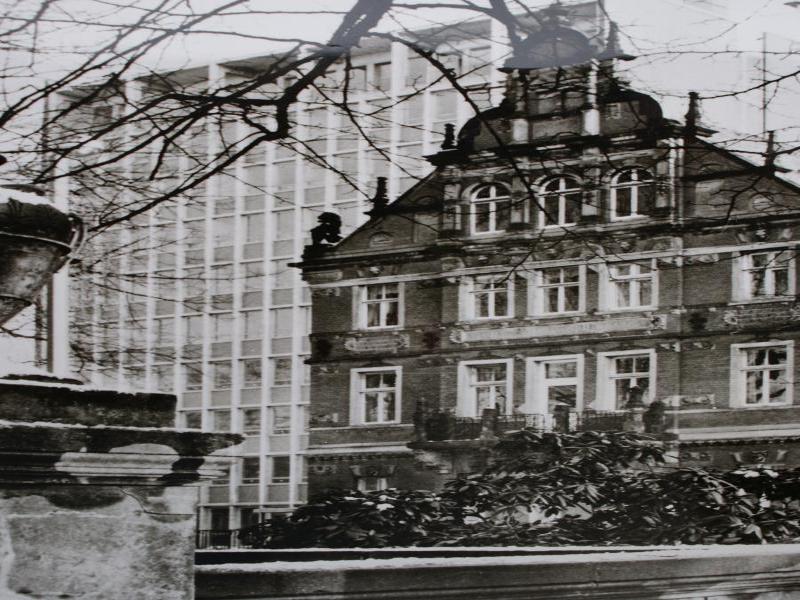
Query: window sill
[(762, 300), (633, 309), (379, 329), (564, 315)]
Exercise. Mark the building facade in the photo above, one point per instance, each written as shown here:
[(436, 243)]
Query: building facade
[(573, 261), (197, 297)]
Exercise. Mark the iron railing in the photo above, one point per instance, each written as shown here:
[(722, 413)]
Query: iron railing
[(599, 420)]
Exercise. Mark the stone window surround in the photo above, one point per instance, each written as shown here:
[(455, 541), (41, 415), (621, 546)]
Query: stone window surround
[(466, 404), (535, 386), (360, 305), (737, 374), (741, 261), (500, 193), (635, 185), (536, 291), (605, 397), (357, 407), (607, 297), (467, 302)]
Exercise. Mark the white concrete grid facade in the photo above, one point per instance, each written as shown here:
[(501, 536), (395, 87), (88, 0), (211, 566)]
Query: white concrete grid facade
[(216, 314)]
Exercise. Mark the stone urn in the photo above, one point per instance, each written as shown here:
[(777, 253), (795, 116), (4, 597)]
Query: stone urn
[(35, 241)]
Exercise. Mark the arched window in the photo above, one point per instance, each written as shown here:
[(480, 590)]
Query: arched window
[(491, 206), (631, 194), (559, 202)]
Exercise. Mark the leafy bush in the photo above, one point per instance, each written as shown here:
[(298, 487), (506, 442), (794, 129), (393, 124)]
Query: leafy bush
[(559, 489)]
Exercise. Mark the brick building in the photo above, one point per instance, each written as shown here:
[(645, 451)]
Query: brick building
[(574, 260)]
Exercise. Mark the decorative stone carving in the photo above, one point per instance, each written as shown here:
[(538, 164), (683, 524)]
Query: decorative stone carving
[(328, 232), (377, 344), (381, 240)]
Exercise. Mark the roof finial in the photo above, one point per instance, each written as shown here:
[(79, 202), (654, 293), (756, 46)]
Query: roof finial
[(380, 200), (769, 155), (693, 115), (613, 48)]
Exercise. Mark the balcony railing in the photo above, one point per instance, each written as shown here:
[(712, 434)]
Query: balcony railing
[(442, 426), (206, 539)]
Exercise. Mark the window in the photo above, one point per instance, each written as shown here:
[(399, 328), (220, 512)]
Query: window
[(250, 370), (192, 377), (221, 420), (632, 193), (253, 276), (765, 275), (220, 375), (558, 290), (280, 469), (371, 484), (221, 325), (253, 324), (491, 208), (380, 305), (382, 76), (375, 395), (251, 421), (192, 419), (559, 202), (555, 381), (280, 420), (761, 374), (251, 469), (484, 384), (631, 285), (623, 375), (491, 297), (281, 371)]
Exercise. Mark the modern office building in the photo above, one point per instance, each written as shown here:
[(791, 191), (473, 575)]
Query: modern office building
[(198, 296)]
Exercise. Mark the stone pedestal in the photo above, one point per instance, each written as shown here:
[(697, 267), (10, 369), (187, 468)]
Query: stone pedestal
[(98, 493)]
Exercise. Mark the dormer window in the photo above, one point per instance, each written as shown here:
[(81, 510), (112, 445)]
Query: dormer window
[(631, 194), (491, 207), (559, 202)]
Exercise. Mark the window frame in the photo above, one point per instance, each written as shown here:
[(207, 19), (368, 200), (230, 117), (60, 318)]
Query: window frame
[(466, 405), (606, 390), (562, 194), (608, 286), (382, 483), (492, 201), (738, 387), (742, 267), (468, 305), (536, 289), (357, 404), (362, 307), (634, 186), (536, 397)]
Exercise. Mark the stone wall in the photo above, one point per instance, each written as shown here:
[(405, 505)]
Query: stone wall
[(677, 573)]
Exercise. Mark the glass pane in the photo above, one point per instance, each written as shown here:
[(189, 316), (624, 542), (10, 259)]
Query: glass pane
[(564, 395), (571, 297), (756, 356), (371, 407), (642, 364), (645, 292), (500, 304), (373, 314), (482, 305), (373, 381), (482, 217), (391, 313), (781, 282), (387, 380), (503, 215), (777, 386), (572, 208), (251, 420), (551, 300), (623, 202), (491, 373), (776, 356), (374, 292), (624, 365), (552, 276), (754, 386), (551, 210), (388, 407), (571, 274), (555, 370), (623, 289), (390, 290)]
